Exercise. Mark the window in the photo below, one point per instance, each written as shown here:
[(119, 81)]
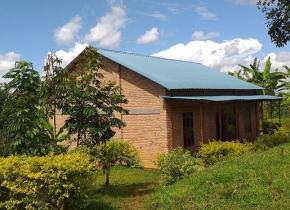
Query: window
[(247, 120), (188, 131)]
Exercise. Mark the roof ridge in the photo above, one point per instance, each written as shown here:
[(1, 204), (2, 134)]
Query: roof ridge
[(149, 56)]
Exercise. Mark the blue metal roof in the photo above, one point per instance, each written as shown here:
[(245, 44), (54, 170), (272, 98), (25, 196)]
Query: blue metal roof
[(175, 74), (224, 98)]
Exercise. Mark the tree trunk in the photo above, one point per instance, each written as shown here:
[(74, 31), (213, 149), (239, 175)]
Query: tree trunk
[(54, 124), (106, 166), (271, 110), (78, 139), (107, 174)]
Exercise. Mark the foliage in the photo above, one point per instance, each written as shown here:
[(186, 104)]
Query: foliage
[(253, 181), (286, 102), (3, 98), (270, 127), (91, 103), (237, 74), (285, 128), (23, 117), (266, 141), (177, 164), (216, 151), (48, 182), (277, 14), (274, 82), (286, 94), (54, 88), (116, 152)]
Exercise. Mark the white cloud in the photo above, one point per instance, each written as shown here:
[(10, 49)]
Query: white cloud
[(201, 36), (149, 36), (67, 33), (205, 13), (7, 62), (107, 31), (245, 2), (174, 10), (279, 59), (158, 15), (223, 56), (71, 53)]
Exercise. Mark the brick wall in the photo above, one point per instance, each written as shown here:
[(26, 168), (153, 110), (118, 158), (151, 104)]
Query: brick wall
[(146, 124)]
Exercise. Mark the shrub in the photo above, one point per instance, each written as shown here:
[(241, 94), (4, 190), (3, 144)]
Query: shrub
[(285, 128), (216, 151), (116, 152), (270, 127), (48, 182), (177, 164), (266, 141)]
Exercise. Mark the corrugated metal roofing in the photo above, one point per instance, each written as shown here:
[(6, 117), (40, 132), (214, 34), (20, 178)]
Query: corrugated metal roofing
[(175, 74), (225, 98)]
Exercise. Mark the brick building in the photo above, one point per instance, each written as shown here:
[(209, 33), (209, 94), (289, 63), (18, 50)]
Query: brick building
[(177, 103)]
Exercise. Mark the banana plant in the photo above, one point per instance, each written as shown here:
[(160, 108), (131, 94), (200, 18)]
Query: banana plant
[(237, 74), (274, 82), (48, 131)]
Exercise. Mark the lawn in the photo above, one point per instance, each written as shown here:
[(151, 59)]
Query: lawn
[(130, 189), (259, 180), (253, 181)]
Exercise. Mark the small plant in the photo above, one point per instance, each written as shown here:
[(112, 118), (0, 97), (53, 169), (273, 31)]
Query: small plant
[(268, 141), (177, 164), (116, 152), (216, 151)]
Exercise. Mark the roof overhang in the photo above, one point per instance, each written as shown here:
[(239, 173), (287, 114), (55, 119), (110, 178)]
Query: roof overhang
[(225, 98)]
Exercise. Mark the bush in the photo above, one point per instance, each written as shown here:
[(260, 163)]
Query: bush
[(270, 127), (285, 128), (216, 151), (48, 182), (177, 164), (268, 141), (116, 152)]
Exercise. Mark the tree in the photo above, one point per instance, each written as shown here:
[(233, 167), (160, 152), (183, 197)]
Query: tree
[(237, 74), (277, 14), (54, 89), (286, 94), (273, 82), (23, 117), (115, 152), (3, 98), (91, 103)]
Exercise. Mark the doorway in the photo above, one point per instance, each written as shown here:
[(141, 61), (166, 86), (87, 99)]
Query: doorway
[(225, 125)]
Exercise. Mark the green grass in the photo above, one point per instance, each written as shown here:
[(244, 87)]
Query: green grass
[(259, 180), (252, 181), (130, 189)]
